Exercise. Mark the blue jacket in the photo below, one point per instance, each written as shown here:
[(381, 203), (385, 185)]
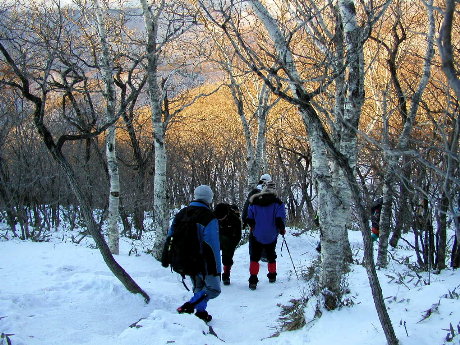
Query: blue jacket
[(208, 235), (266, 217)]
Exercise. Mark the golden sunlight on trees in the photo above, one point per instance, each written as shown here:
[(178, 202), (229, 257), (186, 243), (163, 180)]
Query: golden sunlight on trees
[(214, 120)]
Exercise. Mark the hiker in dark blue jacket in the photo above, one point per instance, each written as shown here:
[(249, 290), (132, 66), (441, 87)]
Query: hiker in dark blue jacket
[(206, 284), (266, 219)]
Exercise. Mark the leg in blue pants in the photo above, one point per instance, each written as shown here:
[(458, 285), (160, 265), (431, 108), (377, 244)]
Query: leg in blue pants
[(204, 288)]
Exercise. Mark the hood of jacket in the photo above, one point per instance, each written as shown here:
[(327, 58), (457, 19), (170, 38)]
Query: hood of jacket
[(264, 198)]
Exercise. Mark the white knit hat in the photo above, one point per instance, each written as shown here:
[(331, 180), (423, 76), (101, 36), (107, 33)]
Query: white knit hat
[(203, 193), (266, 178)]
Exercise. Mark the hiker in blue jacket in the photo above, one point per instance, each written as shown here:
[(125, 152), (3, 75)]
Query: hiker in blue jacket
[(206, 283), (265, 178), (266, 219)]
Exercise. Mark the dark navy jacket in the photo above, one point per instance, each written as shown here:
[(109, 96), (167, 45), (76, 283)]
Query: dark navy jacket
[(266, 216)]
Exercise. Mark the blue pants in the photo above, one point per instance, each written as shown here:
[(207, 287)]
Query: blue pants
[(204, 288)]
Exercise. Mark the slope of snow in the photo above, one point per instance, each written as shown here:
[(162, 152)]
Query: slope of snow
[(61, 293)]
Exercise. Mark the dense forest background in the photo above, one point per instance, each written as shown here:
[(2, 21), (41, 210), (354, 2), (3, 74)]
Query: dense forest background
[(124, 108)]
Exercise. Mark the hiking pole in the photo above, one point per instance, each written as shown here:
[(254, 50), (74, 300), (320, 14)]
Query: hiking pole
[(289, 252)]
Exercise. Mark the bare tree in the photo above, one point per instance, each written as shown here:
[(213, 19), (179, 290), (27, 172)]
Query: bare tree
[(165, 22), (339, 183), (407, 113), (110, 94), (34, 79), (253, 103)]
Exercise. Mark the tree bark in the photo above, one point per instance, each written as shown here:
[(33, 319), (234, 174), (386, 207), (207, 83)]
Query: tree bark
[(112, 163), (160, 206), (322, 150)]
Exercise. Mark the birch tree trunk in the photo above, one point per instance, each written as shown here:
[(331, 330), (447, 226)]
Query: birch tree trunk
[(324, 152), (160, 207), (255, 148), (112, 163), (333, 217), (255, 145), (349, 101), (256, 158)]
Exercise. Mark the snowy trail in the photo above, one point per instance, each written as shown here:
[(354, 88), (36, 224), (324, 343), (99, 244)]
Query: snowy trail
[(255, 313), (64, 294), (240, 315)]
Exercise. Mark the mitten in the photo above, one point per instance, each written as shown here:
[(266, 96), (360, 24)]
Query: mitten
[(282, 232), (375, 237)]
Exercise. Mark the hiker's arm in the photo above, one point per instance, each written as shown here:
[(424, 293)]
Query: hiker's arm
[(250, 220), (280, 219), (211, 247)]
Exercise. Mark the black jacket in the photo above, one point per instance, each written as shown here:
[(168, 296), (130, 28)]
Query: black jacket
[(230, 226)]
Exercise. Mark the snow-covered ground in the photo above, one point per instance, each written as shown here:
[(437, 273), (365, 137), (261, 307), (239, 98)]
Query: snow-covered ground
[(57, 293)]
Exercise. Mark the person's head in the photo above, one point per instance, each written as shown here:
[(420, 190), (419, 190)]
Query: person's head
[(221, 211), (203, 193), (265, 178), (269, 187)]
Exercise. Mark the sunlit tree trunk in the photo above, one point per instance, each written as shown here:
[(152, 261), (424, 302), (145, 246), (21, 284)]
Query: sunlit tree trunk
[(333, 218), (256, 153), (160, 207), (255, 142)]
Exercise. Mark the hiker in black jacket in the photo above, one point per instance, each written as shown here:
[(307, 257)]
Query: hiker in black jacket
[(229, 235), (204, 266)]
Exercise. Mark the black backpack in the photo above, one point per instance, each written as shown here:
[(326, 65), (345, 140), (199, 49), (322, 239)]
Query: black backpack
[(234, 210), (182, 250)]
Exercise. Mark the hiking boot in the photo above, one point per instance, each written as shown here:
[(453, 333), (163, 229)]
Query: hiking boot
[(271, 277), (187, 307), (253, 280), (203, 315), (226, 278)]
